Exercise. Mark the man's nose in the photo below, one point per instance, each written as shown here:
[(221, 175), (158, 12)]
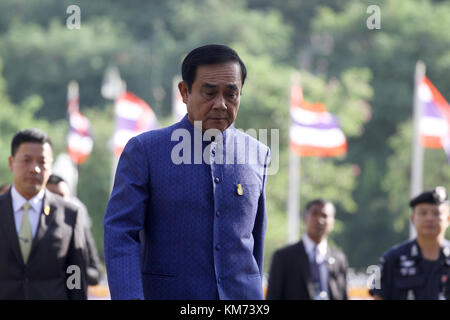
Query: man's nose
[(429, 216), (219, 103), (36, 168)]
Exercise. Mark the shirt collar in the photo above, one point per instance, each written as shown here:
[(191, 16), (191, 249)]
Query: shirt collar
[(309, 246), (416, 252), (18, 200)]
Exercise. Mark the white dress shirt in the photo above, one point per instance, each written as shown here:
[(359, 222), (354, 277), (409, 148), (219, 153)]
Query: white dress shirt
[(321, 257), (33, 213)]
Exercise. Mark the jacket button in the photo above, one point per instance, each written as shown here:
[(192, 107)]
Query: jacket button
[(216, 180), (217, 214), (217, 246)]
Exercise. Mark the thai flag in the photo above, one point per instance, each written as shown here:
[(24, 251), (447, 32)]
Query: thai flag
[(435, 118), (314, 131), (79, 138), (133, 116)]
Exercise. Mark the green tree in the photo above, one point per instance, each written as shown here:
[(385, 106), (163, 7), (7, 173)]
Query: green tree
[(41, 54), (43, 60), (14, 118), (397, 179), (95, 175), (148, 41), (410, 30)]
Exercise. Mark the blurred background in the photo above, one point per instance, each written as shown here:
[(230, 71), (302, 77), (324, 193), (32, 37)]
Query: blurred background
[(363, 76)]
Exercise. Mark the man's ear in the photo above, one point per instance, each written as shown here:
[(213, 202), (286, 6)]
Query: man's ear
[(304, 217), (182, 87), (412, 217), (10, 162)]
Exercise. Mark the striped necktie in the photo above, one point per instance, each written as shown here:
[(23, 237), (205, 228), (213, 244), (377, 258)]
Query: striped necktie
[(25, 233), (315, 270)]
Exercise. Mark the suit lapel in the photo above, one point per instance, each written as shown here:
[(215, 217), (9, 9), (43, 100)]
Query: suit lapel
[(306, 274), (9, 225), (46, 217)]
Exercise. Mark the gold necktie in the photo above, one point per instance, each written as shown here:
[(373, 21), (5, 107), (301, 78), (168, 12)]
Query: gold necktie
[(25, 234)]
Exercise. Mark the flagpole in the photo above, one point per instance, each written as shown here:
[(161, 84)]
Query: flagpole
[(73, 104), (112, 87), (293, 221), (417, 148), (293, 206)]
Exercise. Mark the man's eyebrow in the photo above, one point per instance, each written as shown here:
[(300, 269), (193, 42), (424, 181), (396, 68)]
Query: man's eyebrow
[(233, 87), (214, 86), (209, 85)]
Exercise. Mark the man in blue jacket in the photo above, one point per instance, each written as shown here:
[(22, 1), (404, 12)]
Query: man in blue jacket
[(186, 218)]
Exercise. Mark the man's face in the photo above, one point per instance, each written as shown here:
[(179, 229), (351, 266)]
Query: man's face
[(215, 95), (431, 220), (319, 221), (31, 167)]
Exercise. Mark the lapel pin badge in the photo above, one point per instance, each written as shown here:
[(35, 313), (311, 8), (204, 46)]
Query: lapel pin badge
[(239, 190), (47, 210)]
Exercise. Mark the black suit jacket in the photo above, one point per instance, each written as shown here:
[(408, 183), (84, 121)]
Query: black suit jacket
[(58, 244), (290, 276)]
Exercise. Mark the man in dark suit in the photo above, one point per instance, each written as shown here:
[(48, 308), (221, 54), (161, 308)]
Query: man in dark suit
[(186, 220), (58, 185), (41, 240), (4, 188), (310, 269)]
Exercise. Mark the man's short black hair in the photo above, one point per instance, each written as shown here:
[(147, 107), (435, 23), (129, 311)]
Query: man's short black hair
[(316, 202), (29, 135), (208, 55)]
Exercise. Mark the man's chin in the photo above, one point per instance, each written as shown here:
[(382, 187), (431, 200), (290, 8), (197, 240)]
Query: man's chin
[(217, 124), (30, 191), (34, 189)]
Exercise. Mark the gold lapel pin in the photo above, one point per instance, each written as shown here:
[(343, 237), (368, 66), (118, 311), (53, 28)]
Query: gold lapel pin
[(47, 210), (239, 190)]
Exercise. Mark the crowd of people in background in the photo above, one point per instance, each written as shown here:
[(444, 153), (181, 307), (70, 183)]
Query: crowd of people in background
[(308, 270)]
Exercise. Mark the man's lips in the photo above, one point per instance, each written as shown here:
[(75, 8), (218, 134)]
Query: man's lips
[(33, 179)]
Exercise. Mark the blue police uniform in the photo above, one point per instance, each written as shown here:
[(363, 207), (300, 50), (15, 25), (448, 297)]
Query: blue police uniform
[(405, 274)]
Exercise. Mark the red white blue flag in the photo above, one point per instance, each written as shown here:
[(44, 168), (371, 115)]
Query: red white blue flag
[(79, 137), (133, 116), (435, 118), (314, 131)]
